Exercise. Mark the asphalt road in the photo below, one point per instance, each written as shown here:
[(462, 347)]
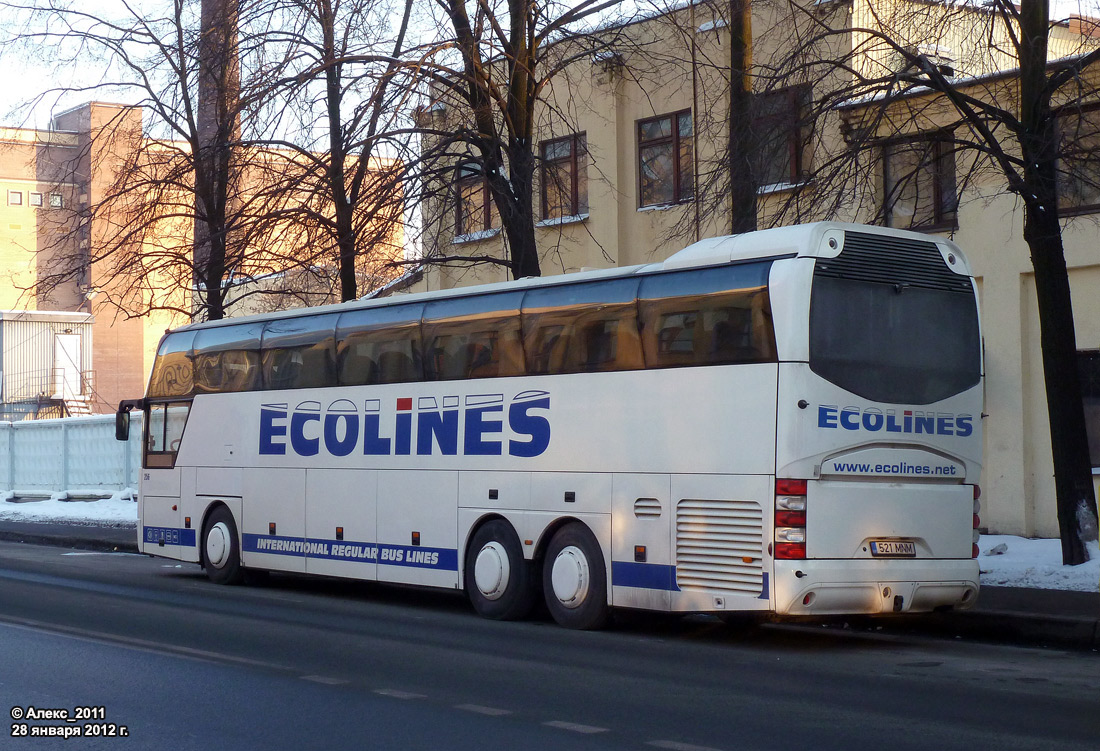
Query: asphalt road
[(182, 663)]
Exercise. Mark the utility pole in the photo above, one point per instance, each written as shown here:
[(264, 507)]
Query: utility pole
[(217, 126), (742, 180)]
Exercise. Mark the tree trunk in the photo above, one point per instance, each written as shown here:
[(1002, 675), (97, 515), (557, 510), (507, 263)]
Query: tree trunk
[(1058, 336), (742, 180), (217, 128), (519, 228), (1068, 436)]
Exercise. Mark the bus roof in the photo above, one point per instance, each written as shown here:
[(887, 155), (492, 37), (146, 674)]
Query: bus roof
[(796, 240)]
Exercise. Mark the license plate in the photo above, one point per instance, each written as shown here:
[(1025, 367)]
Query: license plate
[(893, 549)]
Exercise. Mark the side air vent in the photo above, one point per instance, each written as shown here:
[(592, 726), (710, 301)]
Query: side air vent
[(892, 260), (719, 546), (647, 508)]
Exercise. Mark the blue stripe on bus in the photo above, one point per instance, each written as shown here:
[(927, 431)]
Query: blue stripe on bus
[(643, 575), (169, 536), (659, 576), (440, 559)]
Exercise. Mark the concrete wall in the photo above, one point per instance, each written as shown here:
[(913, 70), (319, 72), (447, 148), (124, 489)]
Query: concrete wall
[(76, 455)]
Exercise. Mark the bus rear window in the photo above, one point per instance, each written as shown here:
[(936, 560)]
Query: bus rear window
[(894, 343)]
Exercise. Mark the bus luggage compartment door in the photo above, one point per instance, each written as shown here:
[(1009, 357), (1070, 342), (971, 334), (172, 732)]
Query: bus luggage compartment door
[(862, 519)]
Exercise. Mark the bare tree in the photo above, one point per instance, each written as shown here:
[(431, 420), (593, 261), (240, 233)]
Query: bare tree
[(994, 103), (339, 94), (491, 71)]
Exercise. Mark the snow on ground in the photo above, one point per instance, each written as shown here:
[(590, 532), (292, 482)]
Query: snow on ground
[(1021, 562), (1034, 563), (118, 510)]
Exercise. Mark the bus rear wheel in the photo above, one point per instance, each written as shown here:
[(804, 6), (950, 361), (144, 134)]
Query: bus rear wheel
[(221, 553), (499, 581), (574, 579)]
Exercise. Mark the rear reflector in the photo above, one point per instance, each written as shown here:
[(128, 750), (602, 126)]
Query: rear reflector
[(790, 487), (790, 518), (789, 551)]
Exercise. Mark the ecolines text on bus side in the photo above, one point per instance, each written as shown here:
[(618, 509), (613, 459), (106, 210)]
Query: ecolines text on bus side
[(445, 426)]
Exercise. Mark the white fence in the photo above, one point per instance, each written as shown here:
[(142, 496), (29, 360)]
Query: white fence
[(74, 456)]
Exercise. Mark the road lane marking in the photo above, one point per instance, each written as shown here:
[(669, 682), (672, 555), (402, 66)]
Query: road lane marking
[(491, 711), (677, 746), (139, 645), (327, 680), (574, 727), (396, 694)]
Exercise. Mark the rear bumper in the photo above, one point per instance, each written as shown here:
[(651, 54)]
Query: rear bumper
[(834, 587)]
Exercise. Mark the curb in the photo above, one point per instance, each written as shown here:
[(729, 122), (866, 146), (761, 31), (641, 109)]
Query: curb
[(1062, 631), (75, 541)]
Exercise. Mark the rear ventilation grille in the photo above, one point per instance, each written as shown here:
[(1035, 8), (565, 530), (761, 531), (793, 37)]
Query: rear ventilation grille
[(719, 546), (647, 508), (892, 260)]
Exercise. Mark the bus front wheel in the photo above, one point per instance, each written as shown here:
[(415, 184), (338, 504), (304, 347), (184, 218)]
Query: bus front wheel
[(498, 580), (221, 550), (574, 579)]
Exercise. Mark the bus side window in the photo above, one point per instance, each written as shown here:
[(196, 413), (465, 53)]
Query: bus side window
[(707, 317), (584, 327), (473, 337), (379, 345), (299, 367), (173, 373), (227, 358), (383, 356), (164, 434), (232, 370)]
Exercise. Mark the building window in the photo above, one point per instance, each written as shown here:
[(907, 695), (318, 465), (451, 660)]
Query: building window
[(475, 210), (36, 199), (564, 177), (781, 135), (55, 200), (665, 159), (1079, 161), (15, 198), (919, 184), (1089, 365)]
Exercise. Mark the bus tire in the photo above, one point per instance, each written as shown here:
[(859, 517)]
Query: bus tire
[(574, 579), (499, 581), (221, 552)]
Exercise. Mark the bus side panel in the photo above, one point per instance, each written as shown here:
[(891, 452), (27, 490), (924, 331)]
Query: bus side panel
[(160, 526), (418, 527), (719, 534), (274, 497), (642, 575), (341, 524)]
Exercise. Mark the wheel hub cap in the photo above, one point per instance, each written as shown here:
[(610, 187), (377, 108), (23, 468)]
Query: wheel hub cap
[(217, 545), (570, 577), (491, 570)]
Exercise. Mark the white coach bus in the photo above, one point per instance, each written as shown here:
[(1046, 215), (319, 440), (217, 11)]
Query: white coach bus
[(785, 421)]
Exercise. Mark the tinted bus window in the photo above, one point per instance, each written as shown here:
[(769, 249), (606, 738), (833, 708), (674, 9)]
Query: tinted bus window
[(227, 358), (712, 316), (473, 337), (300, 353), (379, 345), (173, 374), (894, 343), (582, 328)]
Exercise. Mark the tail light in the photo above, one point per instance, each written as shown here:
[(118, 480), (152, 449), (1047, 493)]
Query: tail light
[(790, 519)]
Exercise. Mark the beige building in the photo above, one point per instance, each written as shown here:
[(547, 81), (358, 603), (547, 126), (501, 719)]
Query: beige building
[(631, 141)]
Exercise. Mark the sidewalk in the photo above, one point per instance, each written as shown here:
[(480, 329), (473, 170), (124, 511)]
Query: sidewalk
[(1045, 617)]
